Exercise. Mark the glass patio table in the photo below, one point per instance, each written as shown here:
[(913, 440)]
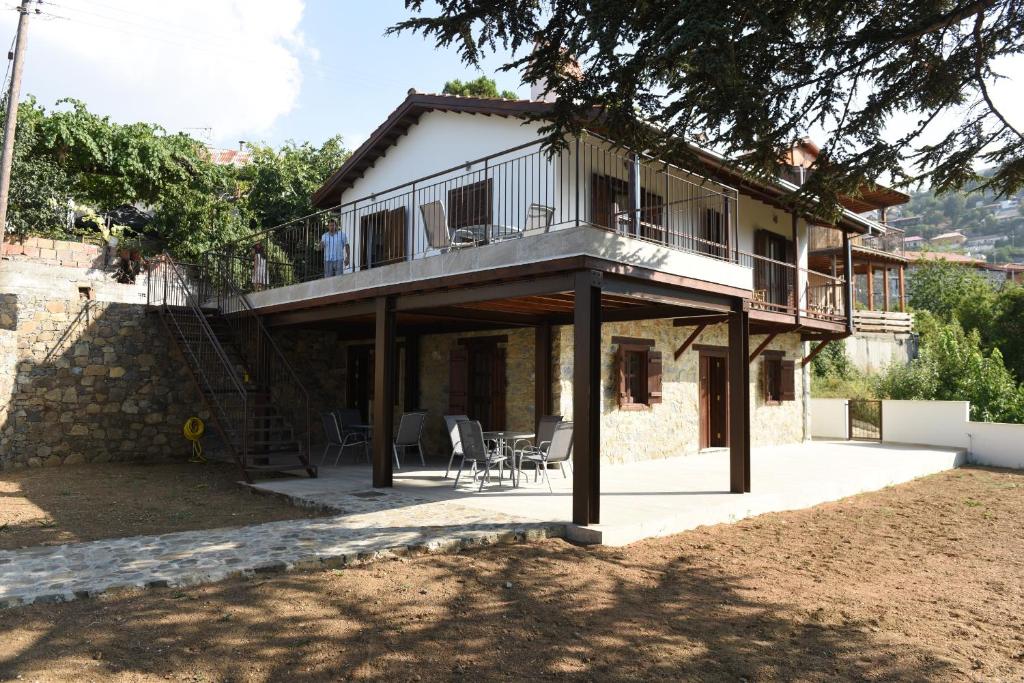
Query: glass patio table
[(503, 437)]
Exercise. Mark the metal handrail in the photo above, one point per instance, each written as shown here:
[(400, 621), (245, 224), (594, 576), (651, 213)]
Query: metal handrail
[(227, 292), (201, 373)]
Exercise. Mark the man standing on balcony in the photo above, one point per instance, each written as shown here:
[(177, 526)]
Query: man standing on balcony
[(335, 247)]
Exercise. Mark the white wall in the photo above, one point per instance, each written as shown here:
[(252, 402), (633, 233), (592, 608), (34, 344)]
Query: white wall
[(829, 418), (996, 444), (932, 423)]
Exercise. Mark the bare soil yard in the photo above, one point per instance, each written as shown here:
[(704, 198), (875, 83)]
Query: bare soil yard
[(920, 582), (69, 504)]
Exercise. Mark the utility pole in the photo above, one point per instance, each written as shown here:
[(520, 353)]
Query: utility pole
[(11, 119)]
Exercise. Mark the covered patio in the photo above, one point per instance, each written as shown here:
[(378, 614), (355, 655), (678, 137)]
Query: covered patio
[(644, 499)]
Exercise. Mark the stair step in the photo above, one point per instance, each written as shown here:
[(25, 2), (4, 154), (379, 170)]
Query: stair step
[(279, 468)]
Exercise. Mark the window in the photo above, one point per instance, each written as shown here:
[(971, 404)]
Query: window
[(774, 277), (639, 370), (470, 205), (778, 378)]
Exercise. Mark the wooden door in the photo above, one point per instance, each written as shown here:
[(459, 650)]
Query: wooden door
[(477, 383), (714, 401)]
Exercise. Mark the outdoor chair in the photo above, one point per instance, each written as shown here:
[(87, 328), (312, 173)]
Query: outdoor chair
[(478, 454), (538, 218), (333, 434), (439, 236), (410, 428), (559, 451), (452, 423), (545, 430), (347, 418)]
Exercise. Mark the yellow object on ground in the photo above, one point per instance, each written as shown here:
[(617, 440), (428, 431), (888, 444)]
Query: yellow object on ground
[(193, 431)]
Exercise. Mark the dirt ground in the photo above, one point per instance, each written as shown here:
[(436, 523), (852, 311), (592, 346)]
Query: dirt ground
[(924, 581), (88, 502)]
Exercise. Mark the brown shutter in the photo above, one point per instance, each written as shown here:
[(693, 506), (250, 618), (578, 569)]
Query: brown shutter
[(620, 365), (470, 204), (395, 230), (788, 380), (600, 201), (498, 382), (653, 377), (766, 380), (458, 378)]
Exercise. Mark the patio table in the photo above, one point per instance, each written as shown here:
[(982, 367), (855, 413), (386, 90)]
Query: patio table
[(494, 232), (502, 437)]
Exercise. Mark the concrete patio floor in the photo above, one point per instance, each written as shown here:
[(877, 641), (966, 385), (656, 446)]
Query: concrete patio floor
[(651, 498)]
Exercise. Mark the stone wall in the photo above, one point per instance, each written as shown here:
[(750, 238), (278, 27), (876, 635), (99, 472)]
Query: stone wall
[(672, 427), (54, 252), (86, 375)]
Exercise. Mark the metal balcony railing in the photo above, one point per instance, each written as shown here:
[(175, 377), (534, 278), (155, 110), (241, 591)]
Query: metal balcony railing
[(514, 194)]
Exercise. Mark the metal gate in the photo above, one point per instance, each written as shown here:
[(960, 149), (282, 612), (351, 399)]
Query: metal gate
[(865, 417)]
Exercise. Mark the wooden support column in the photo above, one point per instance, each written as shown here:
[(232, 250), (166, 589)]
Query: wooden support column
[(903, 289), (383, 391), (871, 286), (849, 275), (586, 399), (739, 400), (412, 372), (634, 194), (541, 372)]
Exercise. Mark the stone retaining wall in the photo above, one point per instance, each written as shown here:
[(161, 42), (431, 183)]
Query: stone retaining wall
[(86, 378)]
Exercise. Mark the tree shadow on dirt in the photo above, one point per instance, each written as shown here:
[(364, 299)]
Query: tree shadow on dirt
[(542, 611)]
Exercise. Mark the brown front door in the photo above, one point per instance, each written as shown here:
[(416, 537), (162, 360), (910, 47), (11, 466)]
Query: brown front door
[(477, 382), (714, 401)]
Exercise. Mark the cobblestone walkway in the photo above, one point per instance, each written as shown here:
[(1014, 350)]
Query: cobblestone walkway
[(370, 525)]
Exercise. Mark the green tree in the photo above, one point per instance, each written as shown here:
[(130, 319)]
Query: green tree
[(943, 287), (481, 87), (748, 79), (279, 183), (952, 366)]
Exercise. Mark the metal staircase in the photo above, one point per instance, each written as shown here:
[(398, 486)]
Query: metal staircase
[(237, 367)]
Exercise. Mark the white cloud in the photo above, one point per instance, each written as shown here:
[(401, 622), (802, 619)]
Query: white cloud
[(230, 65)]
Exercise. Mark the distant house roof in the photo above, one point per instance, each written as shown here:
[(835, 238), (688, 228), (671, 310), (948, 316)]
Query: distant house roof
[(963, 259), (914, 238), (228, 157), (950, 236)]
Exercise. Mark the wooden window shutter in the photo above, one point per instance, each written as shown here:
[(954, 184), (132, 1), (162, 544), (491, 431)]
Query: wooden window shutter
[(653, 377), (620, 366), (458, 379), (788, 380), (600, 201), (498, 382), (395, 230)]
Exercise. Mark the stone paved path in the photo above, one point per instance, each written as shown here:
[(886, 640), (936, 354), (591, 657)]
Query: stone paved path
[(370, 525)]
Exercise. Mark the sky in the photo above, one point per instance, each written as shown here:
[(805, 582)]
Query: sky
[(231, 70), (257, 70)]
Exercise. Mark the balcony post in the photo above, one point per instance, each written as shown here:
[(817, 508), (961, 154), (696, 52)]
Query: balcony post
[(739, 399), (634, 194), (383, 391), (586, 399), (578, 180), (848, 273), (871, 286), (796, 271), (903, 289)]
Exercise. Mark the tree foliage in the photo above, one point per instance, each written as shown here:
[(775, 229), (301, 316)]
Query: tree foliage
[(481, 87), (942, 287), (748, 79), (73, 156)]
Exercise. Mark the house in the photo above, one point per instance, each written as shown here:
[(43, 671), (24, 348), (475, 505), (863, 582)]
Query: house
[(913, 243), (983, 243), (949, 239), (663, 307)]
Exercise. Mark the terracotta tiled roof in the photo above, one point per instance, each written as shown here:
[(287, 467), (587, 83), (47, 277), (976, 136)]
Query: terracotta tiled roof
[(228, 157), (951, 258)]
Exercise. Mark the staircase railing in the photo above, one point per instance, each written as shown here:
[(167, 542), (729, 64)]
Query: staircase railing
[(269, 367), (171, 289)]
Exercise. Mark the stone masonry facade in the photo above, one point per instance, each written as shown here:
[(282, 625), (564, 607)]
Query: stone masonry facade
[(86, 375)]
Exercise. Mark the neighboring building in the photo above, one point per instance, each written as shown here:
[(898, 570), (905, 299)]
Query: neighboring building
[(229, 157), (949, 239), (663, 308), (913, 243), (983, 243)]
